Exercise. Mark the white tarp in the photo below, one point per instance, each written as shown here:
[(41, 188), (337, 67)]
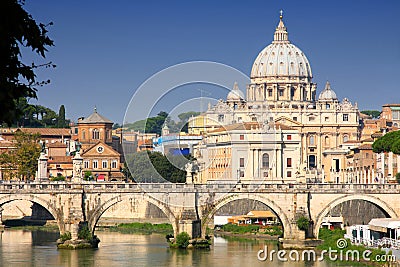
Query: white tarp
[(382, 224)]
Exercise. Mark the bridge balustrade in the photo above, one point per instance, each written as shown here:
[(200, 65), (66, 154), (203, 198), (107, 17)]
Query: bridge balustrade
[(329, 187)]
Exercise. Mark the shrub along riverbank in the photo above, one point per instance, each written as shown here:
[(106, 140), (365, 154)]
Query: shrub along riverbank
[(253, 231), (331, 237), (143, 228)]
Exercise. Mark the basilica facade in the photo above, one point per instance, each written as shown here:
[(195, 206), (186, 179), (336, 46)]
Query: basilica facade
[(281, 102)]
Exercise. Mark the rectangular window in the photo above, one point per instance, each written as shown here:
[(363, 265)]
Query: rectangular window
[(311, 118), (239, 119), (289, 162), (289, 174), (86, 164), (395, 114), (336, 165), (345, 117), (326, 118), (295, 118), (104, 164), (95, 164), (221, 118), (241, 137), (241, 173), (280, 92), (114, 164), (269, 92), (241, 162), (289, 137)]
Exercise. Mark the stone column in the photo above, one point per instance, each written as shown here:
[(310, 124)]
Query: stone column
[(1, 215), (398, 163), (42, 168), (382, 156), (77, 163), (373, 176), (369, 176), (390, 165)]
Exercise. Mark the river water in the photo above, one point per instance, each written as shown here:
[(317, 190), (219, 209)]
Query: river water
[(38, 248)]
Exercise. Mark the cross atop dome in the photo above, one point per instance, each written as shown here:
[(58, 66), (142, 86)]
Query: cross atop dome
[(281, 34)]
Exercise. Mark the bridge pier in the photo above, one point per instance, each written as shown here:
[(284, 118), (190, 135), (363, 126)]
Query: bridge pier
[(73, 228), (297, 239), (192, 227)]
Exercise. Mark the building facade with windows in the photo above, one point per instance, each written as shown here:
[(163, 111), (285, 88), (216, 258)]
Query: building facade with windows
[(249, 151), (99, 156), (281, 91)]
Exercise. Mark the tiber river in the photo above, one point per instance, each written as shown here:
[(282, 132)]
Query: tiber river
[(38, 248)]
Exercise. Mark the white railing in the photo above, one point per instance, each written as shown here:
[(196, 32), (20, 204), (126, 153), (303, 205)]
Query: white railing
[(375, 243), (231, 187)]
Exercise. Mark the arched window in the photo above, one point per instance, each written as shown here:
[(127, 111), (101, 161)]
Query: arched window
[(95, 134), (265, 161), (345, 138), (327, 141)]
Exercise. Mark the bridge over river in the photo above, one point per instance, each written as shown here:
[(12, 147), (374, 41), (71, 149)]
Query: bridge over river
[(190, 207)]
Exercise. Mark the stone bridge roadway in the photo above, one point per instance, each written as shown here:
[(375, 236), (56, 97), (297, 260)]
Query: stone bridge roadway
[(190, 207)]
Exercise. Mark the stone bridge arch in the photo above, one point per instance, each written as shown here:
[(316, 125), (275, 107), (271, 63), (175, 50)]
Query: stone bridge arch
[(95, 215), (374, 200), (287, 228), (50, 207)]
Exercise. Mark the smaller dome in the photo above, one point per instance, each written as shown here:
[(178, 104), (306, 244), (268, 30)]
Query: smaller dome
[(235, 94), (327, 93)]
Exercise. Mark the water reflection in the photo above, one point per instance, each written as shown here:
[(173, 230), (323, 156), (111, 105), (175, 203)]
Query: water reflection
[(38, 248)]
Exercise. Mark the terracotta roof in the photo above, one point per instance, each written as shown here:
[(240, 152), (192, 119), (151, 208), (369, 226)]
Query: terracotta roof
[(47, 131), (365, 147), (260, 214), (57, 144), (5, 143), (376, 135), (364, 116), (95, 118), (367, 140), (60, 159)]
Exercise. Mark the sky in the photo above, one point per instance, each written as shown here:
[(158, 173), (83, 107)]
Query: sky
[(105, 50)]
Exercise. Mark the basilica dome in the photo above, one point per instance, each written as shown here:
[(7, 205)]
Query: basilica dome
[(235, 94), (281, 58), (327, 93)]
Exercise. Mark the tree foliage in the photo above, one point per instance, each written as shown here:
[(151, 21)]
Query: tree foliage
[(149, 166), (21, 162), (303, 223), (149, 125), (390, 142), (155, 124), (61, 123), (17, 79), (182, 240), (375, 114)]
